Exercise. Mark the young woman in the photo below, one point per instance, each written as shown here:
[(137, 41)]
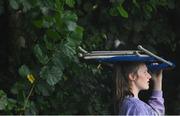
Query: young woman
[(130, 79)]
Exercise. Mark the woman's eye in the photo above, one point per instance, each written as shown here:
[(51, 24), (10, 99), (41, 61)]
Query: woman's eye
[(145, 72)]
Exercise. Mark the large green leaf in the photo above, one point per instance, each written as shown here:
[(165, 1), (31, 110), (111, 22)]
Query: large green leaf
[(24, 71), (52, 74), (69, 50), (71, 25), (77, 34), (58, 61), (41, 56), (75, 37), (122, 11), (49, 43)]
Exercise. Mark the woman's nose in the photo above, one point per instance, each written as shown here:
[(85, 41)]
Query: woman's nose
[(149, 76)]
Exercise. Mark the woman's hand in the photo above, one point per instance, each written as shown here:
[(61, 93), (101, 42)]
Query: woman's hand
[(157, 78)]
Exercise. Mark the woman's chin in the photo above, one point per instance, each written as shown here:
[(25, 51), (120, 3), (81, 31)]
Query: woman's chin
[(146, 88)]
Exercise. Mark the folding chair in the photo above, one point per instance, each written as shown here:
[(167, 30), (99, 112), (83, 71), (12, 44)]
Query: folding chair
[(153, 61)]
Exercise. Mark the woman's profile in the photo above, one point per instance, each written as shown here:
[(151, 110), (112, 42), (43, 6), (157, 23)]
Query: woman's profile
[(130, 79)]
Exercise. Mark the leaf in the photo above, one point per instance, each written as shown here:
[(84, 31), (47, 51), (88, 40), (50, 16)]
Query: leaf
[(11, 104), (149, 8), (24, 71), (26, 5), (13, 4), (59, 5), (38, 23), (69, 50), (57, 60), (71, 42), (59, 22), (75, 37), (77, 34), (47, 24), (49, 44), (3, 100), (122, 11), (45, 10), (52, 74), (71, 25), (69, 16), (31, 108), (53, 34), (70, 3), (136, 4), (41, 56)]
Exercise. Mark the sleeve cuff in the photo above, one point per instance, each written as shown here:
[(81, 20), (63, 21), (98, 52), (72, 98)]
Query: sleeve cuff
[(157, 93)]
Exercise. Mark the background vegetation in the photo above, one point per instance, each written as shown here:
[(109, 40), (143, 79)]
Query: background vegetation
[(40, 69)]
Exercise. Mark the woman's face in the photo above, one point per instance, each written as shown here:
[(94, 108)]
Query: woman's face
[(143, 77)]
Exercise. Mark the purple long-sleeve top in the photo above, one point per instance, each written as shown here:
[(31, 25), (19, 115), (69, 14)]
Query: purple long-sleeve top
[(134, 106)]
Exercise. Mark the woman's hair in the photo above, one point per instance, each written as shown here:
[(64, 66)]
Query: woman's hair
[(121, 81)]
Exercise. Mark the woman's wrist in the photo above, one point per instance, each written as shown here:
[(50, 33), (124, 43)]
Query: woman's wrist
[(158, 80), (157, 86)]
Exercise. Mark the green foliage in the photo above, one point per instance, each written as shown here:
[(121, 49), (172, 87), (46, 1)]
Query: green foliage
[(24, 4), (53, 74), (14, 4), (70, 3), (122, 11), (42, 57), (55, 28), (3, 100), (24, 71), (6, 104)]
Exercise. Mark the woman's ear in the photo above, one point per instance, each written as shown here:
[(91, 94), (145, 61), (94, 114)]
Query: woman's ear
[(132, 77)]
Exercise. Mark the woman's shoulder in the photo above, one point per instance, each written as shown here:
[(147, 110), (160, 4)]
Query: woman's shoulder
[(132, 105), (132, 101)]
